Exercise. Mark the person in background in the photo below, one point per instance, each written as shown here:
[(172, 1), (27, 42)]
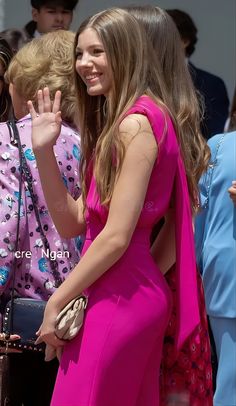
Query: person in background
[(135, 155), (176, 379), (215, 238), (50, 15), (46, 60), (15, 38), (211, 87), (6, 55)]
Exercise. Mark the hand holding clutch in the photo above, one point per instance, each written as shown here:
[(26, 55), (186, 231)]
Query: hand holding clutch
[(68, 323)]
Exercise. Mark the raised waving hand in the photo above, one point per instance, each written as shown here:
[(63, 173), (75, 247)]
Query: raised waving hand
[(46, 124)]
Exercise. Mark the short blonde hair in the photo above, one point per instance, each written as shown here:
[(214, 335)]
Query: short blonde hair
[(46, 61)]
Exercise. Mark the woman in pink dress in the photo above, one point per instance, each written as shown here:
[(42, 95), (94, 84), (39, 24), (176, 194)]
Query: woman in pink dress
[(132, 172)]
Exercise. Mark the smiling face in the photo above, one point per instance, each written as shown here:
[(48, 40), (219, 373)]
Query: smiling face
[(92, 64)]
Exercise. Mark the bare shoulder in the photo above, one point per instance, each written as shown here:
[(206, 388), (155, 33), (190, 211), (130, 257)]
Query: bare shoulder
[(137, 127), (134, 124)]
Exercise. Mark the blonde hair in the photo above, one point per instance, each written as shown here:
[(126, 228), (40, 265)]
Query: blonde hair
[(186, 105), (46, 61), (131, 77)]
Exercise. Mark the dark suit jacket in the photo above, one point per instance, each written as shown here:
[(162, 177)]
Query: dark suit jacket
[(215, 98)]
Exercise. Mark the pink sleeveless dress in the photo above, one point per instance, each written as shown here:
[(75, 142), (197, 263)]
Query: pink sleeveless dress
[(115, 359)]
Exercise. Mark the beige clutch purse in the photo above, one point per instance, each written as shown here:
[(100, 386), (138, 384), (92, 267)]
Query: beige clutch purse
[(70, 319), (68, 323)]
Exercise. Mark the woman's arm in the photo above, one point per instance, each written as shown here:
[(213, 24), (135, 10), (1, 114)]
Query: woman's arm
[(67, 214), (163, 248), (124, 211)]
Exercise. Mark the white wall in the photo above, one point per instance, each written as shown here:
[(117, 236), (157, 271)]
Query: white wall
[(215, 19)]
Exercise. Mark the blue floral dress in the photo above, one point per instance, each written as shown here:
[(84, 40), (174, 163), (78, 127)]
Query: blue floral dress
[(34, 277)]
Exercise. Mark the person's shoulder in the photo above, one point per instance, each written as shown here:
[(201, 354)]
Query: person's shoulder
[(24, 126), (151, 110), (67, 127), (136, 126), (213, 141), (147, 105), (206, 76), (25, 120), (70, 132), (224, 140), (68, 143), (134, 123)]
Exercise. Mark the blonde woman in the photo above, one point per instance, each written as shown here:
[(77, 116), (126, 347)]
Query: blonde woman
[(47, 60), (132, 171)]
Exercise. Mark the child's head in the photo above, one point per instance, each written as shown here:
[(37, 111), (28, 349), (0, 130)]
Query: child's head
[(52, 15)]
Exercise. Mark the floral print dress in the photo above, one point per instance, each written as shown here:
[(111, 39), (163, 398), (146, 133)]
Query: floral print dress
[(34, 278)]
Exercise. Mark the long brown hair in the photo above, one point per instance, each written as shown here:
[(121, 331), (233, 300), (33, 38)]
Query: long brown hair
[(132, 77), (136, 70), (164, 36)]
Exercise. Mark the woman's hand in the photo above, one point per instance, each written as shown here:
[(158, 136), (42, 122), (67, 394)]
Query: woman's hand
[(232, 192), (46, 125), (13, 337), (46, 332)]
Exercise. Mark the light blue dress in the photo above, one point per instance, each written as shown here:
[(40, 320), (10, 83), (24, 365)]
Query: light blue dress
[(215, 239)]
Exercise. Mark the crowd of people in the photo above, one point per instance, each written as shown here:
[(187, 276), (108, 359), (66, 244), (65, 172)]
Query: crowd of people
[(132, 164)]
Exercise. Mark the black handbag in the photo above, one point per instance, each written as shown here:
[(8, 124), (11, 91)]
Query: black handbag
[(24, 319), (23, 316)]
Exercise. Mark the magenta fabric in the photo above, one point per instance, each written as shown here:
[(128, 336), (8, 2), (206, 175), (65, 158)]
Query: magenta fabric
[(115, 359)]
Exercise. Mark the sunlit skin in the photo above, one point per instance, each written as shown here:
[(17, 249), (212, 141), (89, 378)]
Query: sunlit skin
[(92, 65), (52, 18)]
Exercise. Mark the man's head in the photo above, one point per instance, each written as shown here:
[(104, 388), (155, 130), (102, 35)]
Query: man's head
[(52, 15), (186, 28)]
